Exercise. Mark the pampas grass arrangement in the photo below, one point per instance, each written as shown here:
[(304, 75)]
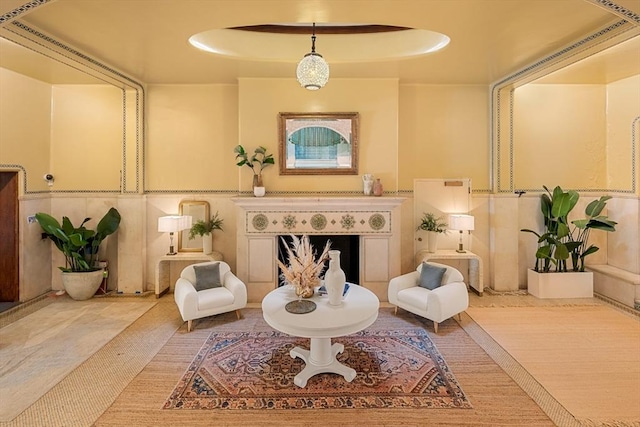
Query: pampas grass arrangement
[(304, 269)]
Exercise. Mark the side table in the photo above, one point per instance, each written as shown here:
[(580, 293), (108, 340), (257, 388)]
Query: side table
[(169, 267), (475, 264)]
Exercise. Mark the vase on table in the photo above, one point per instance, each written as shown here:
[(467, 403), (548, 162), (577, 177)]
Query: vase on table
[(334, 279), (432, 244), (207, 243)]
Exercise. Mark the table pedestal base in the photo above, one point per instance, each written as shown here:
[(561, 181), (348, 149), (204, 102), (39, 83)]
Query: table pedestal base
[(321, 358)]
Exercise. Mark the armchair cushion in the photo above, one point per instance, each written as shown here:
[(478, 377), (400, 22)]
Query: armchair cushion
[(431, 276), (207, 276)]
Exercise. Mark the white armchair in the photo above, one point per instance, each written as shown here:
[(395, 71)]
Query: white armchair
[(439, 304), (232, 295)]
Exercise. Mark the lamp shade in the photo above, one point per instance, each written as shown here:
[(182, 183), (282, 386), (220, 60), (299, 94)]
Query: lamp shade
[(461, 222), (172, 223)]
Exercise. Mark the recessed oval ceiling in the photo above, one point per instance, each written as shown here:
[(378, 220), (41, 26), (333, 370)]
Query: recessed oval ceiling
[(358, 45)]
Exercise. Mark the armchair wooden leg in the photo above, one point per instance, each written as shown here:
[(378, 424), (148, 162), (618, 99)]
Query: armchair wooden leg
[(238, 314), (435, 327), (459, 317), (395, 310), (189, 323)]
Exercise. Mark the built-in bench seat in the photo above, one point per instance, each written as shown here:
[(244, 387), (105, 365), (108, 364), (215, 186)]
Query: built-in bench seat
[(616, 283)]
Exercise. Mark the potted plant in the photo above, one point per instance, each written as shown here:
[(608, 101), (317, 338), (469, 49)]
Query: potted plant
[(434, 225), (79, 245), (562, 240), (256, 163), (204, 228)]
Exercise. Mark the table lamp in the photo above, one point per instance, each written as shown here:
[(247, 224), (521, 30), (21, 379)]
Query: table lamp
[(172, 223), (463, 223)]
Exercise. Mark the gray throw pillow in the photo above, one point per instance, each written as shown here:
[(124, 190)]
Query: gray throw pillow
[(431, 276), (207, 276)]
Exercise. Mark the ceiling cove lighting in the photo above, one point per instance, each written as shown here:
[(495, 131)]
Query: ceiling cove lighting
[(313, 70)]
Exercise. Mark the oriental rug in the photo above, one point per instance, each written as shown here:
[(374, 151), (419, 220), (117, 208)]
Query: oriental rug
[(253, 370)]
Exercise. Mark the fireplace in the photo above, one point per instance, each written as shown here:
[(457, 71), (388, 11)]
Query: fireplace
[(372, 224), (347, 244)]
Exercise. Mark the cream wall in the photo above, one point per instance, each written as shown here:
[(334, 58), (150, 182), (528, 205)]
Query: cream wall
[(25, 126), (376, 100), (444, 133), (557, 129), (623, 115), (192, 130), (86, 137)]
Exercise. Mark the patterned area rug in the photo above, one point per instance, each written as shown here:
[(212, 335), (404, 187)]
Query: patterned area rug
[(395, 369)]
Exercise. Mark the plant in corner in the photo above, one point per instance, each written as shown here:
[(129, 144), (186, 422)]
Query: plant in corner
[(562, 239), (80, 247), (256, 163)]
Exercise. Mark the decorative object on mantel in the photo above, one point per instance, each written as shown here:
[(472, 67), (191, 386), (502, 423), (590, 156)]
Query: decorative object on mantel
[(377, 188), (257, 163), (367, 181), (334, 279), (204, 229), (434, 226), (304, 269), (462, 223)]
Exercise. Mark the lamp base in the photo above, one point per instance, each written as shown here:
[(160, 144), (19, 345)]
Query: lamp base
[(171, 251), (460, 249)]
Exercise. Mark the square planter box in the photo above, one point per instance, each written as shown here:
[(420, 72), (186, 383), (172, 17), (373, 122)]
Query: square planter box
[(560, 285)]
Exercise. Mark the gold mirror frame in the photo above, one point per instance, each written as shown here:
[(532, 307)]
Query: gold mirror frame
[(337, 132), (198, 210)]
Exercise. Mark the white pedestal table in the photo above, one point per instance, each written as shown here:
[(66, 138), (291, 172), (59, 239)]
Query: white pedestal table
[(359, 309)]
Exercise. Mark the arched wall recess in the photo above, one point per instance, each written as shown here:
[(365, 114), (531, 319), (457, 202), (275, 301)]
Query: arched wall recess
[(130, 110), (506, 175)]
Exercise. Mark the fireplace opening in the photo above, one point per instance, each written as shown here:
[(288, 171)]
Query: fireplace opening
[(347, 244)]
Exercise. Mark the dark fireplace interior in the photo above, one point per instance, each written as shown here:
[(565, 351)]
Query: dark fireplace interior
[(347, 244)]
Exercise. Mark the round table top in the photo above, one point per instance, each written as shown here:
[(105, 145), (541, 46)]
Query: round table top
[(359, 309)]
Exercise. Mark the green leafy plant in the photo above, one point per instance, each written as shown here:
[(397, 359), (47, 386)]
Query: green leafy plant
[(562, 239), (256, 163), (79, 245), (202, 227), (430, 222)]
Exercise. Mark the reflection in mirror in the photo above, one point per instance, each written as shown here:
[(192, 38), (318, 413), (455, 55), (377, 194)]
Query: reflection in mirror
[(199, 211), (318, 143)]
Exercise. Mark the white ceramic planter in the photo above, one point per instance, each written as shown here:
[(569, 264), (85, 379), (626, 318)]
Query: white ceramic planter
[(432, 244), (207, 244), (82, 286), (560, 285), (259, 191)]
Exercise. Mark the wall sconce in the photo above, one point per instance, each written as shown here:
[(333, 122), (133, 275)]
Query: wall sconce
[(462, 223), (171, 224)]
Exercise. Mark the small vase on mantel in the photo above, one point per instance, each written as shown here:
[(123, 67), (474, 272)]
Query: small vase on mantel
[(334, 279), (258, 186), (377, 187)]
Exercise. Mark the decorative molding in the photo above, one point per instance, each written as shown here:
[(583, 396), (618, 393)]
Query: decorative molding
[(317, 222), (25, 8), (618, 10)]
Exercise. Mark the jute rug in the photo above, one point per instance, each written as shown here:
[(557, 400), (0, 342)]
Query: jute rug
[(253, 370)]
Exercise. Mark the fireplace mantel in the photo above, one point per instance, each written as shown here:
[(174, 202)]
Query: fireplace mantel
[(376, 220), (323, 203)]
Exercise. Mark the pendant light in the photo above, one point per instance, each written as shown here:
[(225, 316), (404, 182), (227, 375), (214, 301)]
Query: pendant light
[(313, 70)]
